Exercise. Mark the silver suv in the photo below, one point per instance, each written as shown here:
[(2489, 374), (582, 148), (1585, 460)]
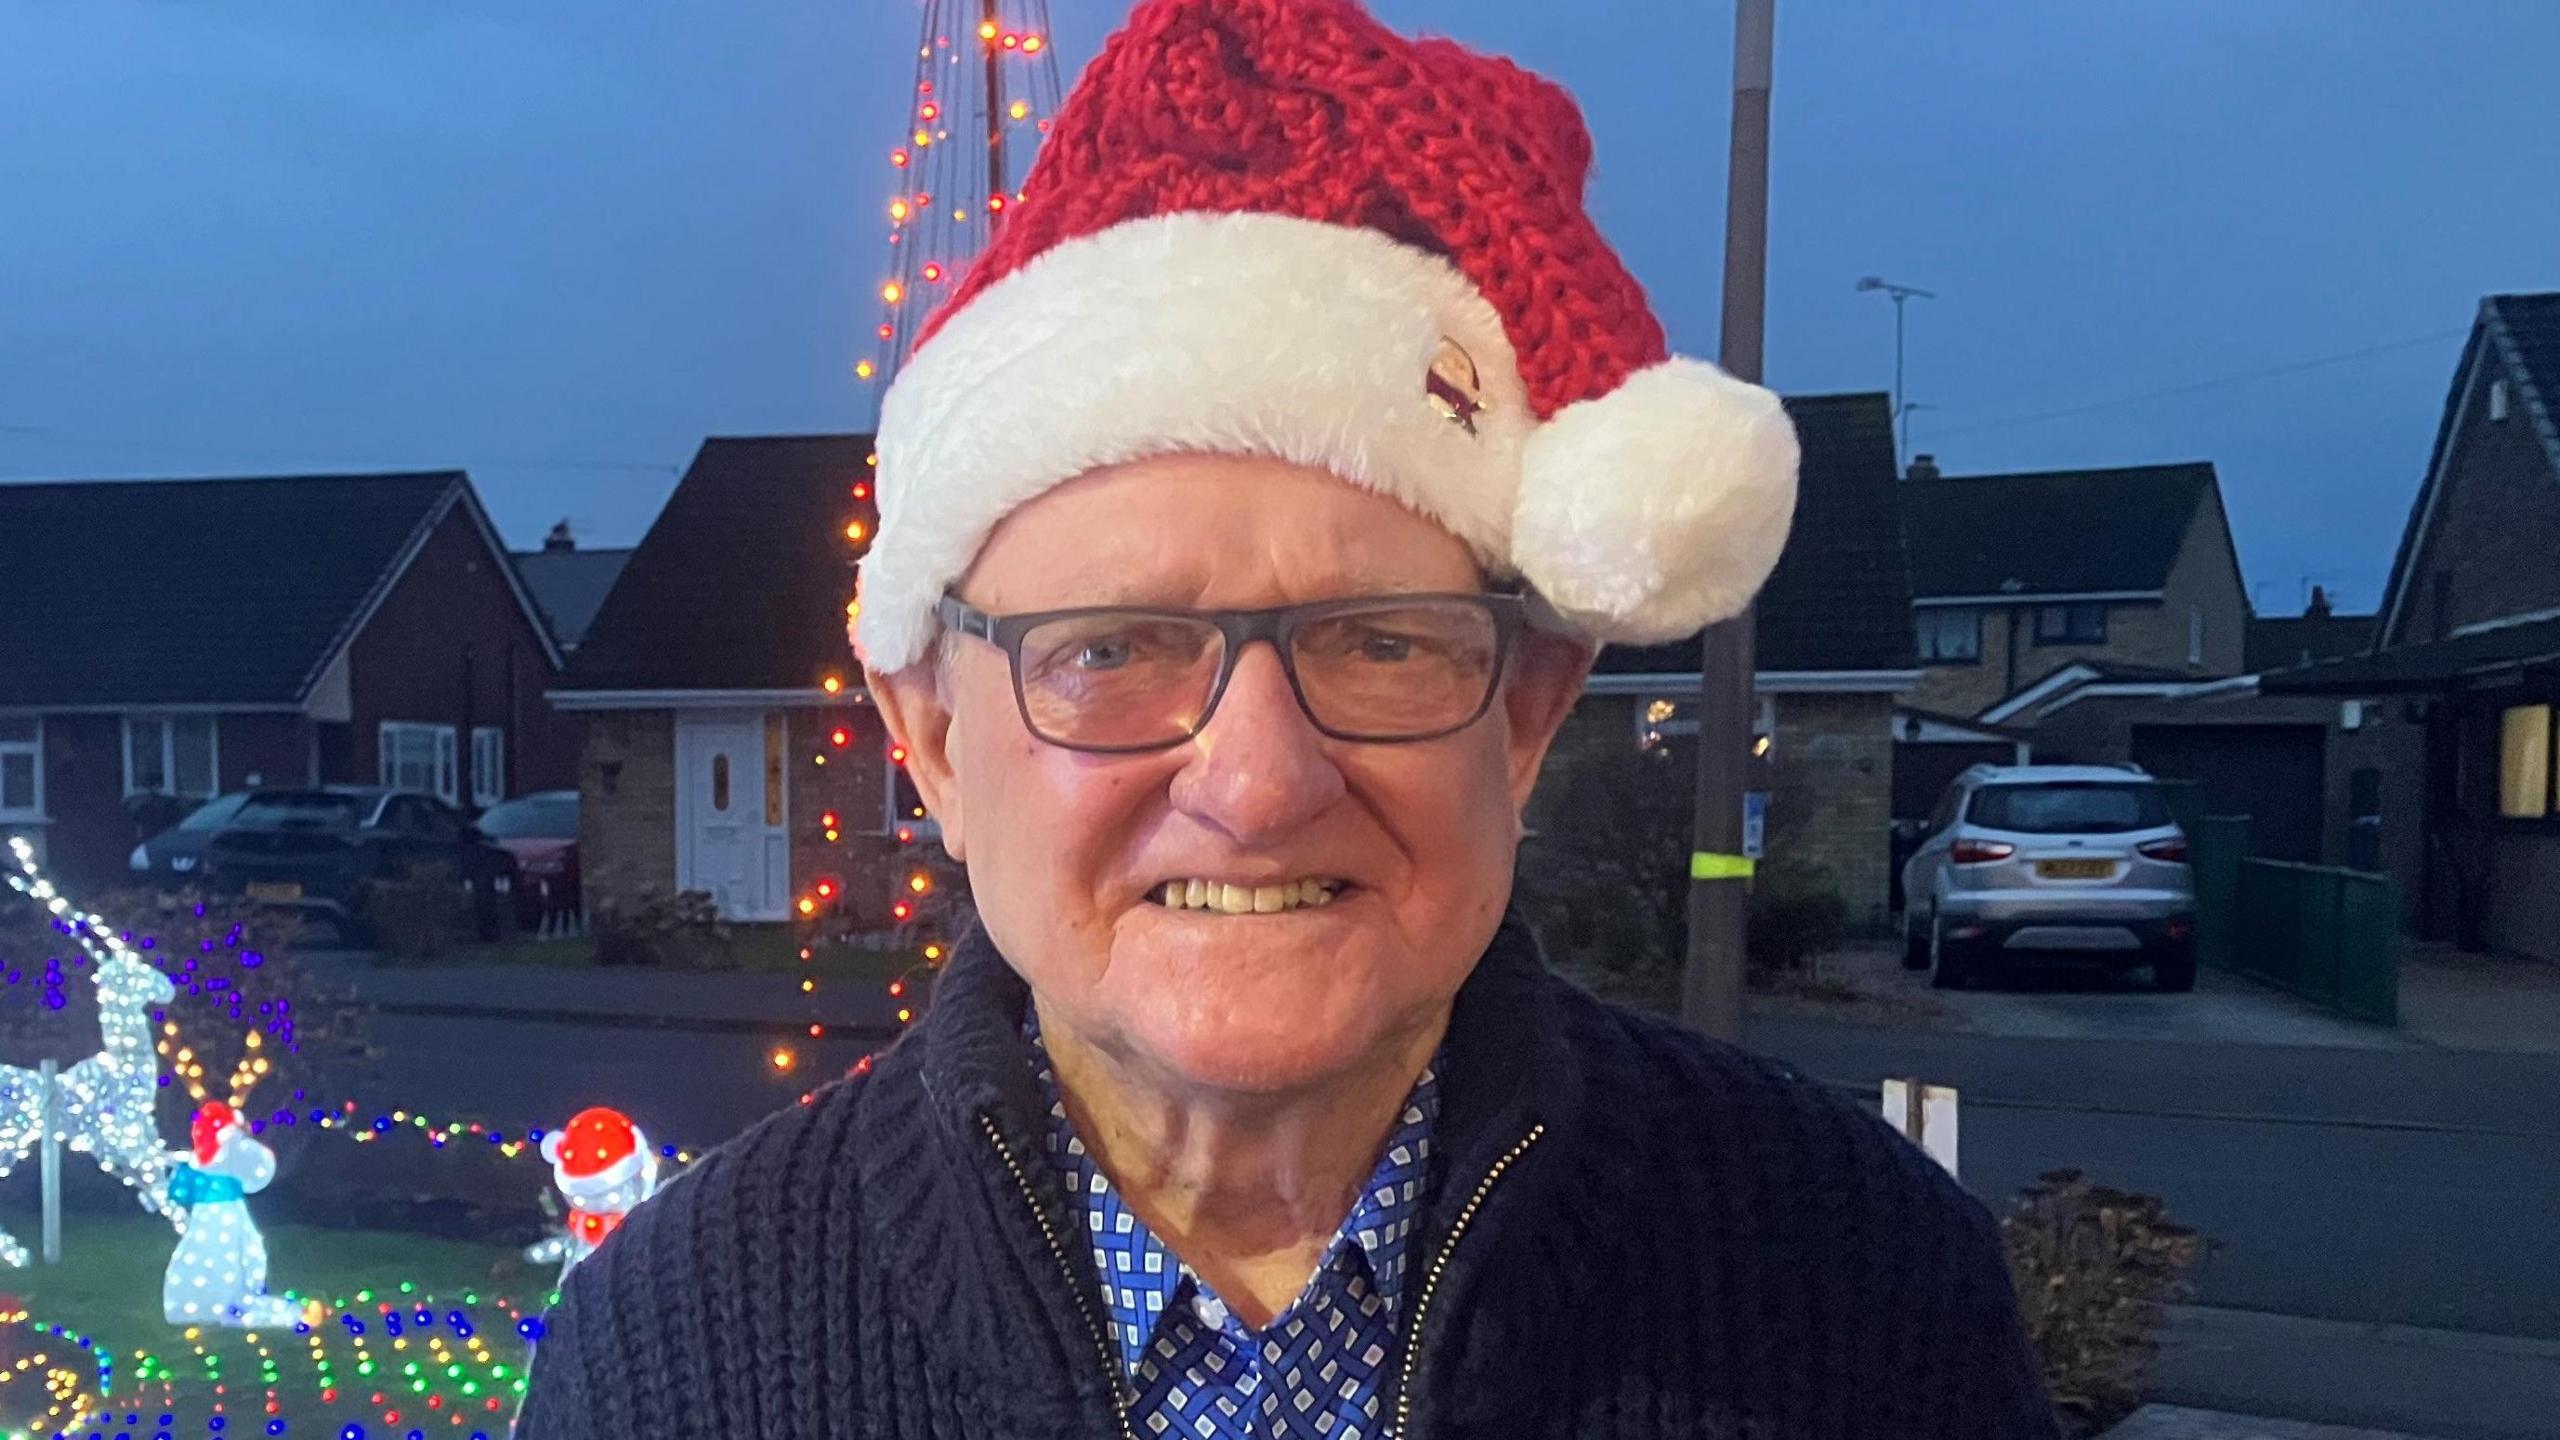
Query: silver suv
[(2020, 859)]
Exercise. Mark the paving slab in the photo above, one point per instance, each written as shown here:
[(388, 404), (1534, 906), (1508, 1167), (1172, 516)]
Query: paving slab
[(2178, 1422)]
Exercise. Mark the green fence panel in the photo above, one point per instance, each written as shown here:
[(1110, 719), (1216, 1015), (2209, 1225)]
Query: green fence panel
[(2370, 946), (2316, 938), (2215, 847), (2259, 944), (2332, 936)]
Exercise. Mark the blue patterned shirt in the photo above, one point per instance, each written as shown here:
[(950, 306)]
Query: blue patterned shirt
[(1317, 1371)]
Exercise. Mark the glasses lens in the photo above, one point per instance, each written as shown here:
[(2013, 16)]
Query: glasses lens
[(1118, 678), (1398, 669)]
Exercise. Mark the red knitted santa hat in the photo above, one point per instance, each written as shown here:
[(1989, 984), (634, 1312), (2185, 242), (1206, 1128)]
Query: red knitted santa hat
[(1275, 227)]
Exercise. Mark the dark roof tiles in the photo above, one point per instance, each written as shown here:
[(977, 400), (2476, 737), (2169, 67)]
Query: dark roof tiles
[(741, 583), (195, 592), (2060, 532)]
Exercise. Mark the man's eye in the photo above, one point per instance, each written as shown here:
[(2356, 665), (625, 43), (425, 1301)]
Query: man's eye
[(1386, 647), (1105, 654)]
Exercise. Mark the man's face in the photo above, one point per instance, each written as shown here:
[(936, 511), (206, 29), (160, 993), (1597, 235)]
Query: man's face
[(1068, 852)]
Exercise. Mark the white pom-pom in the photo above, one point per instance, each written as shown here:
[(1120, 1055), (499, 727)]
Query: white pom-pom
[(1659, 508)]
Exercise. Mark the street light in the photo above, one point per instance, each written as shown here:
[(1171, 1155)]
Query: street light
[(1899, 293)]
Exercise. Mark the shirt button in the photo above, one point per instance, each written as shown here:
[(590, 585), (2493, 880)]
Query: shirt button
[(1213, 1313)]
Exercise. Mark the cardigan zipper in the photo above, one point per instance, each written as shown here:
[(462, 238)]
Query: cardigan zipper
[(1075, 1286), (1439, 1264)]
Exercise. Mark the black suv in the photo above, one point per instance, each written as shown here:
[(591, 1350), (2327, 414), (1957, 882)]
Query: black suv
[(312, 850)]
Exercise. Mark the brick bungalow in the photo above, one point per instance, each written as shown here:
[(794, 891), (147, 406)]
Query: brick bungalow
[(2457, 698), (1835, 651), (725, 722), (173, 640)]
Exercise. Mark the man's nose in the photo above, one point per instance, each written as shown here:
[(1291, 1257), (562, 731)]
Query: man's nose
[(1259, 770)]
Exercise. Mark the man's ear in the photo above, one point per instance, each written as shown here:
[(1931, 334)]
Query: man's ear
[(1546, 679), (919, 719)]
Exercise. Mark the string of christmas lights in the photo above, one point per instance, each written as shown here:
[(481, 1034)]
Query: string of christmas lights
[(73, 1385), (986, 85), (410, 1361)]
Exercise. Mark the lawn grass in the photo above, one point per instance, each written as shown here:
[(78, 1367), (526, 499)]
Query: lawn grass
[(108, 1289)]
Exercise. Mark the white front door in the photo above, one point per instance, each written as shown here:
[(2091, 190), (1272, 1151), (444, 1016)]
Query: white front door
[(731, 838)]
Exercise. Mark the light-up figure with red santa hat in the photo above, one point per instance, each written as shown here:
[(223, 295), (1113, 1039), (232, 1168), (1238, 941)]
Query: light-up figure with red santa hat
[(604, 1166), (218, 1275)]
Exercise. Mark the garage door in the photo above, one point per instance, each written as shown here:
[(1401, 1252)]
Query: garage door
[(2270, 773)]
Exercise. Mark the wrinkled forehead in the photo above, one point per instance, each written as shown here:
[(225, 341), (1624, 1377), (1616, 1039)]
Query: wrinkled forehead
[(1210, 529)]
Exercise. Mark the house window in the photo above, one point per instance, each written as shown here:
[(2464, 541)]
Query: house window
[(2071, 624), (1950, 635), (418, 757), (905, 804), (488, 765), (21, 769), (2195, 635), (169, 755), (2497, 400), (2524, 762)]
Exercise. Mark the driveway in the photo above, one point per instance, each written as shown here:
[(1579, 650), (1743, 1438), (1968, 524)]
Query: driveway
[(2058, 999)]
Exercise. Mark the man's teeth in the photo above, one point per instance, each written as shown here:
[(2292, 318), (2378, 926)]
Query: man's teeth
[(1246, 899)]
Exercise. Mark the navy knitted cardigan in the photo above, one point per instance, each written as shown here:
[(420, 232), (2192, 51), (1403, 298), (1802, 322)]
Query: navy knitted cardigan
[(1633, 1231)]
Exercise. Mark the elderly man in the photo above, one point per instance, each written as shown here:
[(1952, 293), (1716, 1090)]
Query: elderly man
[(1248, 519)]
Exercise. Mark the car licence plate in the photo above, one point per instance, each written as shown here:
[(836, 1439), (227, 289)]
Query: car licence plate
[(2075, 869), (274, 892)]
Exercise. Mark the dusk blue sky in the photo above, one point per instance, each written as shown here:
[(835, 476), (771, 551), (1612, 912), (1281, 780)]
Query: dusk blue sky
[(559, 241)]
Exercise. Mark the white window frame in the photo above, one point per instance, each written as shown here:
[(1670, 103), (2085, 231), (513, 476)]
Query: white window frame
[(441, 740), (2064, 632), (34, 749), (168, 724), (1948, 617), (488, 765)]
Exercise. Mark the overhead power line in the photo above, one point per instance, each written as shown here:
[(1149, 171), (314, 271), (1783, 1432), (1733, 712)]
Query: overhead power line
[(335, 461), (2244, 377)]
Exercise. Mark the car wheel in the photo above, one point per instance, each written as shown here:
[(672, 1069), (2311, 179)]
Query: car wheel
[(1915, 943), (1953, 969), (2174, 974)]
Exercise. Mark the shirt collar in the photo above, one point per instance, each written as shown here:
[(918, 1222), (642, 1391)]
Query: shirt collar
[(1142, 1278)]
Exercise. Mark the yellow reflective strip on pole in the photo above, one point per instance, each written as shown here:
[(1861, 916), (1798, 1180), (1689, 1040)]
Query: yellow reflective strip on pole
[(1706, 866)]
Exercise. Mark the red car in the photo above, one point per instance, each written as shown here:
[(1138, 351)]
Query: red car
[(541, 831)]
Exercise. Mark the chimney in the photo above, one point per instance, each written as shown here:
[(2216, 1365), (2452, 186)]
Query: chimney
[(2318, 609), (1923, 467), (559, 541)]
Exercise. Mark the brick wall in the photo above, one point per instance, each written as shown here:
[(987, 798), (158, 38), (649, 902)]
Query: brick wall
[(2524, 895), (84, 795), (1830, 780), (853, 783), (2394, 745), (451, 646), (2495, 528), (1831, 795), (627, 806), (264, 750)]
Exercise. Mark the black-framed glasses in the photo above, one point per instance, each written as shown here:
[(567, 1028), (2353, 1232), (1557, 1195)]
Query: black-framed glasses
[(1379, 669)]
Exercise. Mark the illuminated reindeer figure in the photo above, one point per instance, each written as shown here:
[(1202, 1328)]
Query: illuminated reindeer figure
[(102, 1105)]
